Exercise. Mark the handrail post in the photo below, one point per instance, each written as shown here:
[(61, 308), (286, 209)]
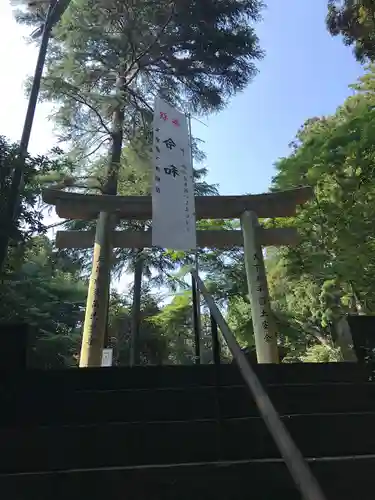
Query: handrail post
[(215, 342), (261, 314), (196, 322), (216, 360)]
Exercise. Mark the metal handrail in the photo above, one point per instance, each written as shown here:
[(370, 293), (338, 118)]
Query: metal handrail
[(196, 321), (298, 467)]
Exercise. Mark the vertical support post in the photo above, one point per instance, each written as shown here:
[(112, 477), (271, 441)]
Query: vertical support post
[(98, 295), (196, 322), (135, 346), (346, 329), (106, 332), (263, 322), (216, 359), (198, 295), (215, 341), (195, 290)]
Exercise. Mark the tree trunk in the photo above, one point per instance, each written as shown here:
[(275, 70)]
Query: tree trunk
[(136, 310), (99, 286)]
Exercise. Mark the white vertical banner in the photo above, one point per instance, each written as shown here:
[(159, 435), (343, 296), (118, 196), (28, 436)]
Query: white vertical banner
[(173, 203)]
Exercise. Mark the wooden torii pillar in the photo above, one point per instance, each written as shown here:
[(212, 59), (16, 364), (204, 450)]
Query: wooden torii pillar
[(253, 237)]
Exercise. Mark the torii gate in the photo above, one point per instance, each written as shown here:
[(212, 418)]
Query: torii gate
[(252, 237)]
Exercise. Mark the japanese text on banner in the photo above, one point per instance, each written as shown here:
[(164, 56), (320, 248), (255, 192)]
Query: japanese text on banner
[(173, 204)]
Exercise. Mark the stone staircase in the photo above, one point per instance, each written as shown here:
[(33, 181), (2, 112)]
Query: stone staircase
[(162, 433)]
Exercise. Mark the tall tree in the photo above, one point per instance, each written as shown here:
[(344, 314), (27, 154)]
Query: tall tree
[(331, 270), (111, 58), (354, 20)]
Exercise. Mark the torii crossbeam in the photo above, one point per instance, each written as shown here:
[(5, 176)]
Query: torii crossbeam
[(87, 206)]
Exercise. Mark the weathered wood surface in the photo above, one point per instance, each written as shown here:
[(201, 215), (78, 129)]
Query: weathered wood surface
[(87, 206), (205, 239)]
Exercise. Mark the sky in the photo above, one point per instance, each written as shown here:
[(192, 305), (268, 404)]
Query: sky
[(305, 73)]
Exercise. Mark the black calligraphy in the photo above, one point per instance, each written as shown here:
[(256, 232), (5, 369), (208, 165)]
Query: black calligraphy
[(261, 288), (171, 170), (169, 156), (170, 144)]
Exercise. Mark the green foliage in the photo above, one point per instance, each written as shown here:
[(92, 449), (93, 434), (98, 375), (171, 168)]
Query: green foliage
[(176, 322), (321, 354), (40, 287), (45, 291), (336, 157), (38, 171), (355, 21), (195, 54), (30, 13), (329, 273), (153, 347), (239, 320)]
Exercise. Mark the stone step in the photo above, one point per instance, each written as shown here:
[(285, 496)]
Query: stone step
[(179, 376), (53, 448), (345, 479), (38, 407)]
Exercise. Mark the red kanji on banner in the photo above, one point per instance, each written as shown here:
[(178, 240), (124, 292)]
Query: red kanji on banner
[(175, 122), (163, 116)]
